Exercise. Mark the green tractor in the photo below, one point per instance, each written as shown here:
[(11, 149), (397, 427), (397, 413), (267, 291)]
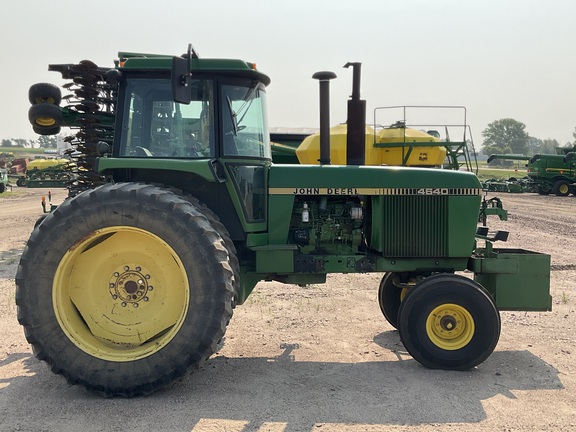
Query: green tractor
[(548, 173), (177, 212), (4, 182)]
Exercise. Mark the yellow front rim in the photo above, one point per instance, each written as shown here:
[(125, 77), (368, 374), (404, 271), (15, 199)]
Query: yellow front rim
[(564, 189), (45, 121), (450, 326), (403, 294), (120, 293)]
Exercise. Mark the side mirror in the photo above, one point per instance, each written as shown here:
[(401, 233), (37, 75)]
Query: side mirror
[(181, 76)]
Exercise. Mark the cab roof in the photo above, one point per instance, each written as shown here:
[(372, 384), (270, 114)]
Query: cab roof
[(140, 61)]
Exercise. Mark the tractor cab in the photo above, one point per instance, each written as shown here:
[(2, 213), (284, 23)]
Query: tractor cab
[(203, 129)]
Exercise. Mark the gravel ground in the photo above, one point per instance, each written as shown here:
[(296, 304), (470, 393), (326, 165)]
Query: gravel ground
[(321, 357)]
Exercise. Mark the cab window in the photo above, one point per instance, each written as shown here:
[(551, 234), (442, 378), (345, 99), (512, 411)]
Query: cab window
[(244, 121), (157, 126)]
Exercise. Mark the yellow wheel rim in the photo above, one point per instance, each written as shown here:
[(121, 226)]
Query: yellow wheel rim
[(563, 189), (120, 293), (403, 294), (45, 121), (47, 100), (450, 326)]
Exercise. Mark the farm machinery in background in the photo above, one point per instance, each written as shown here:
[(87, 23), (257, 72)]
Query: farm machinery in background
[(178, 211), (36, 173), (546, 174), (40, 173), (410, 141), (3, 180)]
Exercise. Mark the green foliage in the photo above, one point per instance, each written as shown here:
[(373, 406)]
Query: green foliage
[(549, 146), (500, 174), (539, 146), (505, 136), (47, 141)]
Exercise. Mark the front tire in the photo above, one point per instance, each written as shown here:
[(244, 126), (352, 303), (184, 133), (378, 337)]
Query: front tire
[(124, 288), (448, 321), (389, 298)]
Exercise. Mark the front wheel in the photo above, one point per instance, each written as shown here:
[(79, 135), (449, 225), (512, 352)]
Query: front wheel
[(389, 298), (124, 288), (448, 321)]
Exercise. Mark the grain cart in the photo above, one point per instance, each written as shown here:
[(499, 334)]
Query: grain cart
[(178, 213)]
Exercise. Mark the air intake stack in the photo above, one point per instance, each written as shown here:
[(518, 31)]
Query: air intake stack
[(324, 78)]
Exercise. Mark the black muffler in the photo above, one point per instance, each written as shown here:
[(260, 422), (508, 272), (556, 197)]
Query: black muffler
[(356, 121)]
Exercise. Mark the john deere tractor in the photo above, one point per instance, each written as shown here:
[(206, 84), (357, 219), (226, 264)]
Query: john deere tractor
[(178, 212), (548, 173)]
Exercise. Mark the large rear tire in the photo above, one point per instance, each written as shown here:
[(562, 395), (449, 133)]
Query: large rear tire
[(561, 188), (448, 321), (222, 231), (124, 288)]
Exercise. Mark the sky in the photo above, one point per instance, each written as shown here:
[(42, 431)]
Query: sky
[(498, 58)]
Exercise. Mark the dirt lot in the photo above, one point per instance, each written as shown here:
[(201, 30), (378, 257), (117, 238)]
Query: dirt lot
[(321, 358)]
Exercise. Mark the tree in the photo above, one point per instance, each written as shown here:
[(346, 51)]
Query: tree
[(539, 146), (48, 141), (505, 136), (19, 142), (549, 146)]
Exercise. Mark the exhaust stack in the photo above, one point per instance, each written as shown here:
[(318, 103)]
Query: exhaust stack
[(356, 121), (324, 77)]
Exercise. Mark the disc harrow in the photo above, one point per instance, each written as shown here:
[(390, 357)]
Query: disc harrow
[(90, 105)]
